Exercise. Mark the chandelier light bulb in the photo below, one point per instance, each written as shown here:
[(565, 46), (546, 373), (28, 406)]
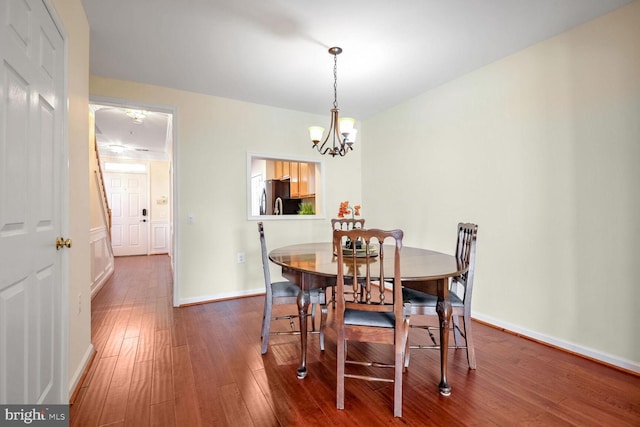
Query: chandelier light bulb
[(346, 124), (350, 137), (315, 133)]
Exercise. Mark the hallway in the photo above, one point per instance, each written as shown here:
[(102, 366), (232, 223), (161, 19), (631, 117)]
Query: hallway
[(131, 328)]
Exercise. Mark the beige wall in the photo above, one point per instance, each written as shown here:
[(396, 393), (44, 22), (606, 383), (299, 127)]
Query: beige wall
[(541, 149), (213, 138), (76, 29), (160, 191)]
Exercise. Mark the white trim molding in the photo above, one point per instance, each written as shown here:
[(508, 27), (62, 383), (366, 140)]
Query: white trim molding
[(220, 297), (83, 367), (590, 353)]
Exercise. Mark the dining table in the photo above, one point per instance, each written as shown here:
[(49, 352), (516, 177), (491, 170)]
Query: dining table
[(314, 265)]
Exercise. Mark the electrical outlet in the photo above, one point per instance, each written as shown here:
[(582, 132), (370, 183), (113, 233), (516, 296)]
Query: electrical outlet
[(79, 303), (240, 257)]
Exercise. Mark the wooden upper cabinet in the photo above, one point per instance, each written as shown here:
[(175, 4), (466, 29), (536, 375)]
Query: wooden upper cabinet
[(304, 179), (312, 179), (277, 169), (270, 170), (294, 179), (281, 169)]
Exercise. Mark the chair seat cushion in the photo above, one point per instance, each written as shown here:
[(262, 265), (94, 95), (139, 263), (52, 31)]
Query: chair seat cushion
[(285, 289), (422, 299), (290, 289), (369, 318)]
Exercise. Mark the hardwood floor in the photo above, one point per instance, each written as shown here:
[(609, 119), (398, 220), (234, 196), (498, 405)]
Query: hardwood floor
[(201, 366)]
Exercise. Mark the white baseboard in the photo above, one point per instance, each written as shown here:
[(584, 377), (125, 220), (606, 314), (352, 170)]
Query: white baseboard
[(95, 287), (79, 372), (626, 364), (220, 296)]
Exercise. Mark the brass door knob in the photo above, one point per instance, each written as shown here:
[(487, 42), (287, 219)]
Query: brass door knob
[(61, 242)]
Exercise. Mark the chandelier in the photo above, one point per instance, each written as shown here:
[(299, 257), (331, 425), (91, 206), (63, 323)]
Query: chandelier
[(341, 131), (137, 115)]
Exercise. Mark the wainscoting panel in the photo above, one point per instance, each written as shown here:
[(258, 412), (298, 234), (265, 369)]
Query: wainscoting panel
[(159, 237), (101, 258)]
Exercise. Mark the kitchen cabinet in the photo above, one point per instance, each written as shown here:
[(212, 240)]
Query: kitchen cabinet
[(302, 180), (294, 179), (281, 169)]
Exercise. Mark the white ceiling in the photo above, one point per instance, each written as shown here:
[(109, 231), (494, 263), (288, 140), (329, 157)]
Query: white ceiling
[(275, 52), (119, 136)]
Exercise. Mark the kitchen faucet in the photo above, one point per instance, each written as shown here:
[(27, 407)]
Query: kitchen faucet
[(277, 210)]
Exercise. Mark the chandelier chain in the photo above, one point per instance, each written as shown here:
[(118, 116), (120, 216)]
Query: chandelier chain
[(335, 81)]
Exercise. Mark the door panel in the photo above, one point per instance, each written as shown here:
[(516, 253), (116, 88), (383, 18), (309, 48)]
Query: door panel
[(31, 217), (128, 196), (13, 329)]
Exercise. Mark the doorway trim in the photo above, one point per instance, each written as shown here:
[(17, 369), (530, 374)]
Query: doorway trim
[(174, 223), (65, 278)]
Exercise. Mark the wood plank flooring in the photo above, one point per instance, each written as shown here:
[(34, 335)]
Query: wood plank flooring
[(201, 366)]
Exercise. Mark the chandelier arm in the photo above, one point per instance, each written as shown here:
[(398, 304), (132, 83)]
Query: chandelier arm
[(334, 130)]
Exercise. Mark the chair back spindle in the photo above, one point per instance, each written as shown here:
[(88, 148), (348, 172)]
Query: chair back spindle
[(344, 224)]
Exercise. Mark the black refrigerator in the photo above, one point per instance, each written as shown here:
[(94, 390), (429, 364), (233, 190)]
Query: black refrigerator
[(274, 189)]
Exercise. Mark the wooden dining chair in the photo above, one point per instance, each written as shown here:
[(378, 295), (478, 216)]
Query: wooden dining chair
[(378, 317), (460, 292), (343, 224), (286, 292), (347, 223)]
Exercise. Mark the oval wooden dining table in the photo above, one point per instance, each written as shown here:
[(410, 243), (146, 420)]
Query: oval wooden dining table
[(314, 265)]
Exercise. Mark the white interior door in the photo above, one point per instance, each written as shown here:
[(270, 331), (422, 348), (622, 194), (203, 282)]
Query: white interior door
[(128, 199), (32, 102)]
